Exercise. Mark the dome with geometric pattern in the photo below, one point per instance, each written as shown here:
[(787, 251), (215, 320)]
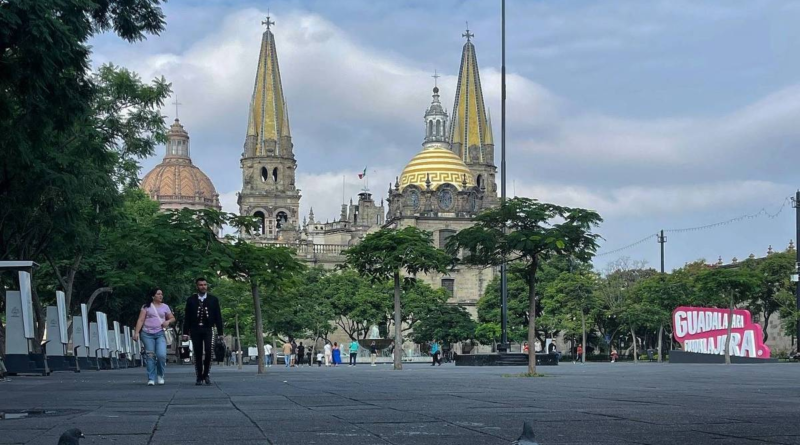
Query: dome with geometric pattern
[(438, 165), (176, 183)]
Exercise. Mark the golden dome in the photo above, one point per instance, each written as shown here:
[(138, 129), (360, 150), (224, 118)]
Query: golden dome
[(438, 164), (177, 183)]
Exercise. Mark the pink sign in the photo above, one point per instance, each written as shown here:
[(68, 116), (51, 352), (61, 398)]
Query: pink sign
[(704, 330)]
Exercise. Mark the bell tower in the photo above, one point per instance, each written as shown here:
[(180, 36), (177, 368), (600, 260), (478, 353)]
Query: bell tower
[(268, 163)]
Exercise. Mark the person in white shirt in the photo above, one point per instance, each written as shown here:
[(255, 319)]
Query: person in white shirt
[(268, 355), (328, 353)]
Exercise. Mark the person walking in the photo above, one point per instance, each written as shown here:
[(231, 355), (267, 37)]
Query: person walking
[(337, 354), (268, 355), (328, 354), (287, 354), (353, 352), (373, 353), (309, 354), (436, 353), (301, 353), (154, 317), (578, 354), (202, 315), (294, 353)]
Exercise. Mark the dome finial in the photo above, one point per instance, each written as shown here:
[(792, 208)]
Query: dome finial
[(176, 103), (467, 34)]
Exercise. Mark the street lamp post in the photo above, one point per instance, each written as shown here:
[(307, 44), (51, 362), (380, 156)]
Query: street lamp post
[(503, 279)]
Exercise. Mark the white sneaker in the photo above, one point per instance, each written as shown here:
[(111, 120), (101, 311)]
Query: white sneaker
[(151, 383), (374, 364), (161, 380)]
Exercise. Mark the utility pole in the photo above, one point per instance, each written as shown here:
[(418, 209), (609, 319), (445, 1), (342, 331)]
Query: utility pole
[(503, 279), (796, 205), (662, 240)]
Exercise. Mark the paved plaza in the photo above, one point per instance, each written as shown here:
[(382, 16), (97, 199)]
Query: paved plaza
[(575, 404)]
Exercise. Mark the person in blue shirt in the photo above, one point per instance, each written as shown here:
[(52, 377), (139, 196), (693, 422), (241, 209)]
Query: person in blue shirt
[(435, 352)]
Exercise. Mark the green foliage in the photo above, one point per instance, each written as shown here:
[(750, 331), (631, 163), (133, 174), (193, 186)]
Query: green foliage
[(448, 324), (382, 254), (573, 295)]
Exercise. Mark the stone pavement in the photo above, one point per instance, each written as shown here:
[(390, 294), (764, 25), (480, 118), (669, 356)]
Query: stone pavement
[(576, 404)]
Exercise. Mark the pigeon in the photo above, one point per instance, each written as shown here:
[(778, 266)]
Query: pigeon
[(71, 437), (527, 437)]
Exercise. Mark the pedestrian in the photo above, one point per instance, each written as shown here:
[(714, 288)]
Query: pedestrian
[(319, 359), (202, 315), (373, 353), (309, 354), (301, 353), (287, 353), (614, 356), (328, 353), (268, 354), (294, 353), (525, 348), (154, 317), (578, 354), (337, 354), (435, 353), (353, 352)]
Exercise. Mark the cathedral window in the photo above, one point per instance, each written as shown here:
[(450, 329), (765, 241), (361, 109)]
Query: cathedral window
[(261, 222), (479, 180), (449, 285), (430, 128), (438, 127), (264, 174), (445, 235), (281, 218), (275, 174)]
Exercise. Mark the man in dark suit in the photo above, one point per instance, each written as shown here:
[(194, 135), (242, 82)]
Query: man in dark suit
[(202, 314)]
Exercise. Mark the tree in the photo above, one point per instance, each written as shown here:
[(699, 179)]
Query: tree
[(267, 267), (449, 323), (774, 272), (727, 287), (574, 293), (657, 296), (529, 232), (59, 160), (389, 253)]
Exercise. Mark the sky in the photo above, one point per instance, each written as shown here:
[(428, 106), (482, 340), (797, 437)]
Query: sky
[(664, 114)]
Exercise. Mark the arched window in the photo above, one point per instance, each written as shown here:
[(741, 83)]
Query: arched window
[(275, 174), (261, 222), (430, 128), (479, 181), (438, 127), (280, 219), (264, 174)]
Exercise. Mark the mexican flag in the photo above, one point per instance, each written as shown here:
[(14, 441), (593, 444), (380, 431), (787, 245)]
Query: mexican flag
[(362, 174)]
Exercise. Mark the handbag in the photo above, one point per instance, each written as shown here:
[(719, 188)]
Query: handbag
[(169, 334)]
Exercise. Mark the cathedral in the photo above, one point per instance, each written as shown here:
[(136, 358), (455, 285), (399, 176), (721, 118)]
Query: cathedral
[(444, 185)]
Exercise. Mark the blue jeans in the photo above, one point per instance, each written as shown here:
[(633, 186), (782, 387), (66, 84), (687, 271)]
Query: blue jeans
[(268, 359), (155, 346)]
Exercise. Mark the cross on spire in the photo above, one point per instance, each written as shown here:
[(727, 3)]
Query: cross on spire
[(436, 77), (267, 22), (467, 34), (176, 103)]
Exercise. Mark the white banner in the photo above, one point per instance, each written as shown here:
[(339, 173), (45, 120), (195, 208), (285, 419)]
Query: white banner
[(85, 321), (27, 303), (117, 337), (62, 316)]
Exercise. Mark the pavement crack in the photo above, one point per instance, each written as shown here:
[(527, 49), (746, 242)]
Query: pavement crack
[(160, 416), (247, 416)]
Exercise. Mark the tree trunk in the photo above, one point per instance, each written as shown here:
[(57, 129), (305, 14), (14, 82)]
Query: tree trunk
[(583, 337), (660, 340), (398, 332), (532, 317), (728, 337), (40, 317), (97, 292), (767, 315), (259, 327), (635, 351), (238, 345)]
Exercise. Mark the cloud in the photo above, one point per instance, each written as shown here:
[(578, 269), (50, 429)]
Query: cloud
[(665, 201)]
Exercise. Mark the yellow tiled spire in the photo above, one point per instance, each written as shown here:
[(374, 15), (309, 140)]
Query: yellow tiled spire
[(470, 126), (267, 120)]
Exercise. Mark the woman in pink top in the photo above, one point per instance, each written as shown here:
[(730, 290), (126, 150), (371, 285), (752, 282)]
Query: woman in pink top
[(154, 317)]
